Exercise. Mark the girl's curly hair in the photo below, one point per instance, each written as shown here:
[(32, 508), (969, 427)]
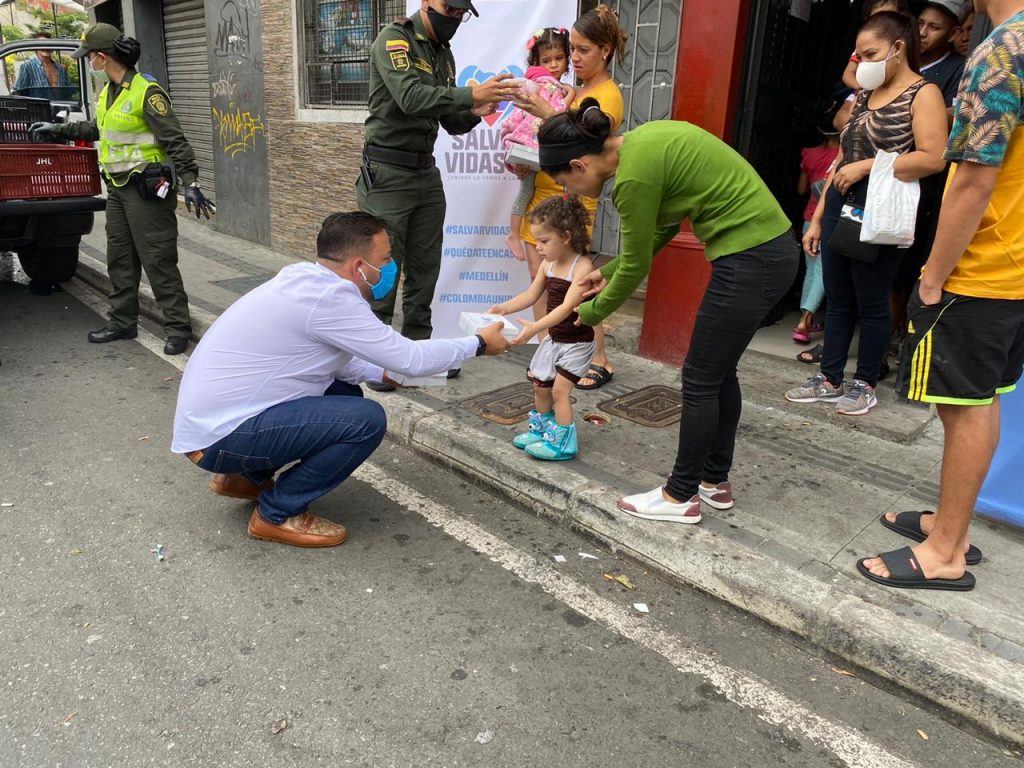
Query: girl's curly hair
[(565, 214), (546, 38)]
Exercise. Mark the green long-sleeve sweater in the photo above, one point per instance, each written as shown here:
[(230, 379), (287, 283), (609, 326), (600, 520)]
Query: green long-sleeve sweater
[(412, 89), (670, 171)]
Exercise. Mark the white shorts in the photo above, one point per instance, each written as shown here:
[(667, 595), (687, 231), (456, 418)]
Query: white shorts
[(572, 360)]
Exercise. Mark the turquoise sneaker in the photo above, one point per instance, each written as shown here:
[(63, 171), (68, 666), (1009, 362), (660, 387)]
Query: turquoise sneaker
[(537, 423), (559, 444)]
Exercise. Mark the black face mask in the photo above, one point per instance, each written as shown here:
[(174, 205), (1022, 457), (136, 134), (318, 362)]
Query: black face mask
[(444, 26)]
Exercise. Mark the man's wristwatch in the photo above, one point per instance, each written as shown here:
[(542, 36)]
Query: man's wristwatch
[(481, 344)]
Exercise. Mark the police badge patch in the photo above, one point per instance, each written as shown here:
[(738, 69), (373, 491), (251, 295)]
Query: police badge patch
[(398, 50), (158, 104)]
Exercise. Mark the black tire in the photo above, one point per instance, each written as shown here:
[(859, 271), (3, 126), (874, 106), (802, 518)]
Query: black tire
[(49, 264)]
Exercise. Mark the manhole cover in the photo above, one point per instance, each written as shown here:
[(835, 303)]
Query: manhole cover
[(654, 406), (242, 285), (507, 405)]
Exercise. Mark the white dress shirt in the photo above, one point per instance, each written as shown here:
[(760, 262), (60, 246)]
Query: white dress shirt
[(290, 338)]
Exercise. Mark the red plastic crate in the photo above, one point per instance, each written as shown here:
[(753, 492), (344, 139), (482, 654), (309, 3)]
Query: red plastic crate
[(17, 113), (47, 170)]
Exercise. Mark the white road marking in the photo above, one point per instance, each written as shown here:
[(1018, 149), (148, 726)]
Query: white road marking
[(740, 688), (98, 304)]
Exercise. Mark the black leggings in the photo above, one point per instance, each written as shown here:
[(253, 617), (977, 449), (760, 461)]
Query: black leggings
[(744, 287)]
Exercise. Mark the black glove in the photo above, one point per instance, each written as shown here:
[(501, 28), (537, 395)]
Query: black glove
[(194, 196), (43, 132)]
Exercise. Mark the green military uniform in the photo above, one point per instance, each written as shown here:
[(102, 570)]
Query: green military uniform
[(141, 233), (412, 81)]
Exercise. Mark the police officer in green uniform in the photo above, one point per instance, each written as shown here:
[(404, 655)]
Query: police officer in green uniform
[(412, 90), (137, 132)]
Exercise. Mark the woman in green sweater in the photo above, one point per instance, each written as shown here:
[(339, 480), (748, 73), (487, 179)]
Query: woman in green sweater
[(667, 172)]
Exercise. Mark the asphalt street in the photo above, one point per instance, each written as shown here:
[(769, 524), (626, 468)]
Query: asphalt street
[(443, 633)]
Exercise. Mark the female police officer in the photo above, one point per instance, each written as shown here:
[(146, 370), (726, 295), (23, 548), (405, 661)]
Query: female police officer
[(137, 133)]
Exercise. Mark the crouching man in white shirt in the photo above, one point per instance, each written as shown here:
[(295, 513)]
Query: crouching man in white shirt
[(276, 380)]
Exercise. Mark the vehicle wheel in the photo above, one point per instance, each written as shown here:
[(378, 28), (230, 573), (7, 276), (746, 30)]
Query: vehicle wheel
[(49, 265)]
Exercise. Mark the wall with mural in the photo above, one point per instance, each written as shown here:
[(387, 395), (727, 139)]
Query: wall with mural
[(238, 110)]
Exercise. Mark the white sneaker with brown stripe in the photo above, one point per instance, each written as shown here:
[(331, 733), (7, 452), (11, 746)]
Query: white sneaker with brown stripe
[(717, 496), (654, 506)]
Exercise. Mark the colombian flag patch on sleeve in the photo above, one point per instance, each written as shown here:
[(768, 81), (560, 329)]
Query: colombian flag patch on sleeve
[(397, 45)]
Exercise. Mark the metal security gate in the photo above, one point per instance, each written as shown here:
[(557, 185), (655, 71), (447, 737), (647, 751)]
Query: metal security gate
[(646, 78), (188, 79)]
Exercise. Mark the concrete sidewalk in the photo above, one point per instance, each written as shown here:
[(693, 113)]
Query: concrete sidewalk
[(809, 489)]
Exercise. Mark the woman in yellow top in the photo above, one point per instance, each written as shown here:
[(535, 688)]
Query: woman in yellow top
[(594, 40)]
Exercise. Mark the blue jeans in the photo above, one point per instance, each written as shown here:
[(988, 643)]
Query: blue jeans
[(855, 291), (328, 436), (814, 287)]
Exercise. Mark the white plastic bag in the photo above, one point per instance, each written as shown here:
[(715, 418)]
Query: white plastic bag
[(890, 212)]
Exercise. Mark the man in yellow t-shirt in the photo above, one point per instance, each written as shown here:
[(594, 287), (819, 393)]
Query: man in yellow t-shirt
[(965, 336)]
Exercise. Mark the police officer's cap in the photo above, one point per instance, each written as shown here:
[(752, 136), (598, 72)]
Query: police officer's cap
[(99, 37), (463, 5)]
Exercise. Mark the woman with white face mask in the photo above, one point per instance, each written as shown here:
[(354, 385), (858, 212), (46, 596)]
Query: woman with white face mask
[(897, 111)]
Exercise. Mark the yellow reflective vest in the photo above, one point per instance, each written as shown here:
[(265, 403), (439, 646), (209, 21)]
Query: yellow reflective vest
[(126, 143)]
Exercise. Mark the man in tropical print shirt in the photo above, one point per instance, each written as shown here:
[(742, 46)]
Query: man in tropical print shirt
[(965, 335)]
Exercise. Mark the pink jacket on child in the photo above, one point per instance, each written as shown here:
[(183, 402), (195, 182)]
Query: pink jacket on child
[(521, 127)]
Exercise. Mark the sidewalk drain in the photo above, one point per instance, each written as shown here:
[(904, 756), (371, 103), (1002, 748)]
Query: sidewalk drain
[(508, 405), (653, 406), (598, 419)]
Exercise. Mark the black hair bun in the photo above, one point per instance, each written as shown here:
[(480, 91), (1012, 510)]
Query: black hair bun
[(128, 50), (592, 121)]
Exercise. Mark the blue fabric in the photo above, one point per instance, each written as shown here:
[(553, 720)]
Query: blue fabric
[(328, 436), (32, 81), (814, 287), (1002, 495)]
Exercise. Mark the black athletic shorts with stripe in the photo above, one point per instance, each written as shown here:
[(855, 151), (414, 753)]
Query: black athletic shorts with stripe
[(962, 351)]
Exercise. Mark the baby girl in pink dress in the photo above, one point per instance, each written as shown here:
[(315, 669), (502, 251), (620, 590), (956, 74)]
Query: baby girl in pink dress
[(548, 59)]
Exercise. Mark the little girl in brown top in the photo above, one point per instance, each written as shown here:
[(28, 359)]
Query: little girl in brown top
[(560, 226)]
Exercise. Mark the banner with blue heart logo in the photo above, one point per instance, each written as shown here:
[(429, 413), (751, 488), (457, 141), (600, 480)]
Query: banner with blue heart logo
[(477, 268)]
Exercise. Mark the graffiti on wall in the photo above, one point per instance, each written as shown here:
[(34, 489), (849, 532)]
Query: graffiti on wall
[(224, 87), (233, 33), (237, 130), (236, 103)]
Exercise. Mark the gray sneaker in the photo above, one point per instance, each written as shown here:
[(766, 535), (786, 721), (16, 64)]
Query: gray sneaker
[(858, 400), (815, 389)]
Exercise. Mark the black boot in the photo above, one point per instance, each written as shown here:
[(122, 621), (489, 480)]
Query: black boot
[(175, 345), (103, 335)]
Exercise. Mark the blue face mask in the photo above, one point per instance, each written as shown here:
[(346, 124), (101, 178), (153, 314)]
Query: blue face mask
[(383, 286)]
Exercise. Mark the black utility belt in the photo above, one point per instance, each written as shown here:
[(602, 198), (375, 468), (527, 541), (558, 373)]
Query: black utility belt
[(153, 181), (417, 161)]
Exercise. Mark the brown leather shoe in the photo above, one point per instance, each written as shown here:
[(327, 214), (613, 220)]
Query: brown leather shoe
[(237, 487), (308, 531)]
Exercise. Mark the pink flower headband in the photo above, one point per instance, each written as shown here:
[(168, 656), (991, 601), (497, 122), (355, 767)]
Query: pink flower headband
[(538, 34)]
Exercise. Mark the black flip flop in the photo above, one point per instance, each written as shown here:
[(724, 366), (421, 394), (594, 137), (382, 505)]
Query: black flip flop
[(813, 355), (909, 524), (905, 573), (599, 375)]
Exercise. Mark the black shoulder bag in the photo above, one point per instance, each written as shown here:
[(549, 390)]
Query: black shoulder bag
[(846, 236)]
